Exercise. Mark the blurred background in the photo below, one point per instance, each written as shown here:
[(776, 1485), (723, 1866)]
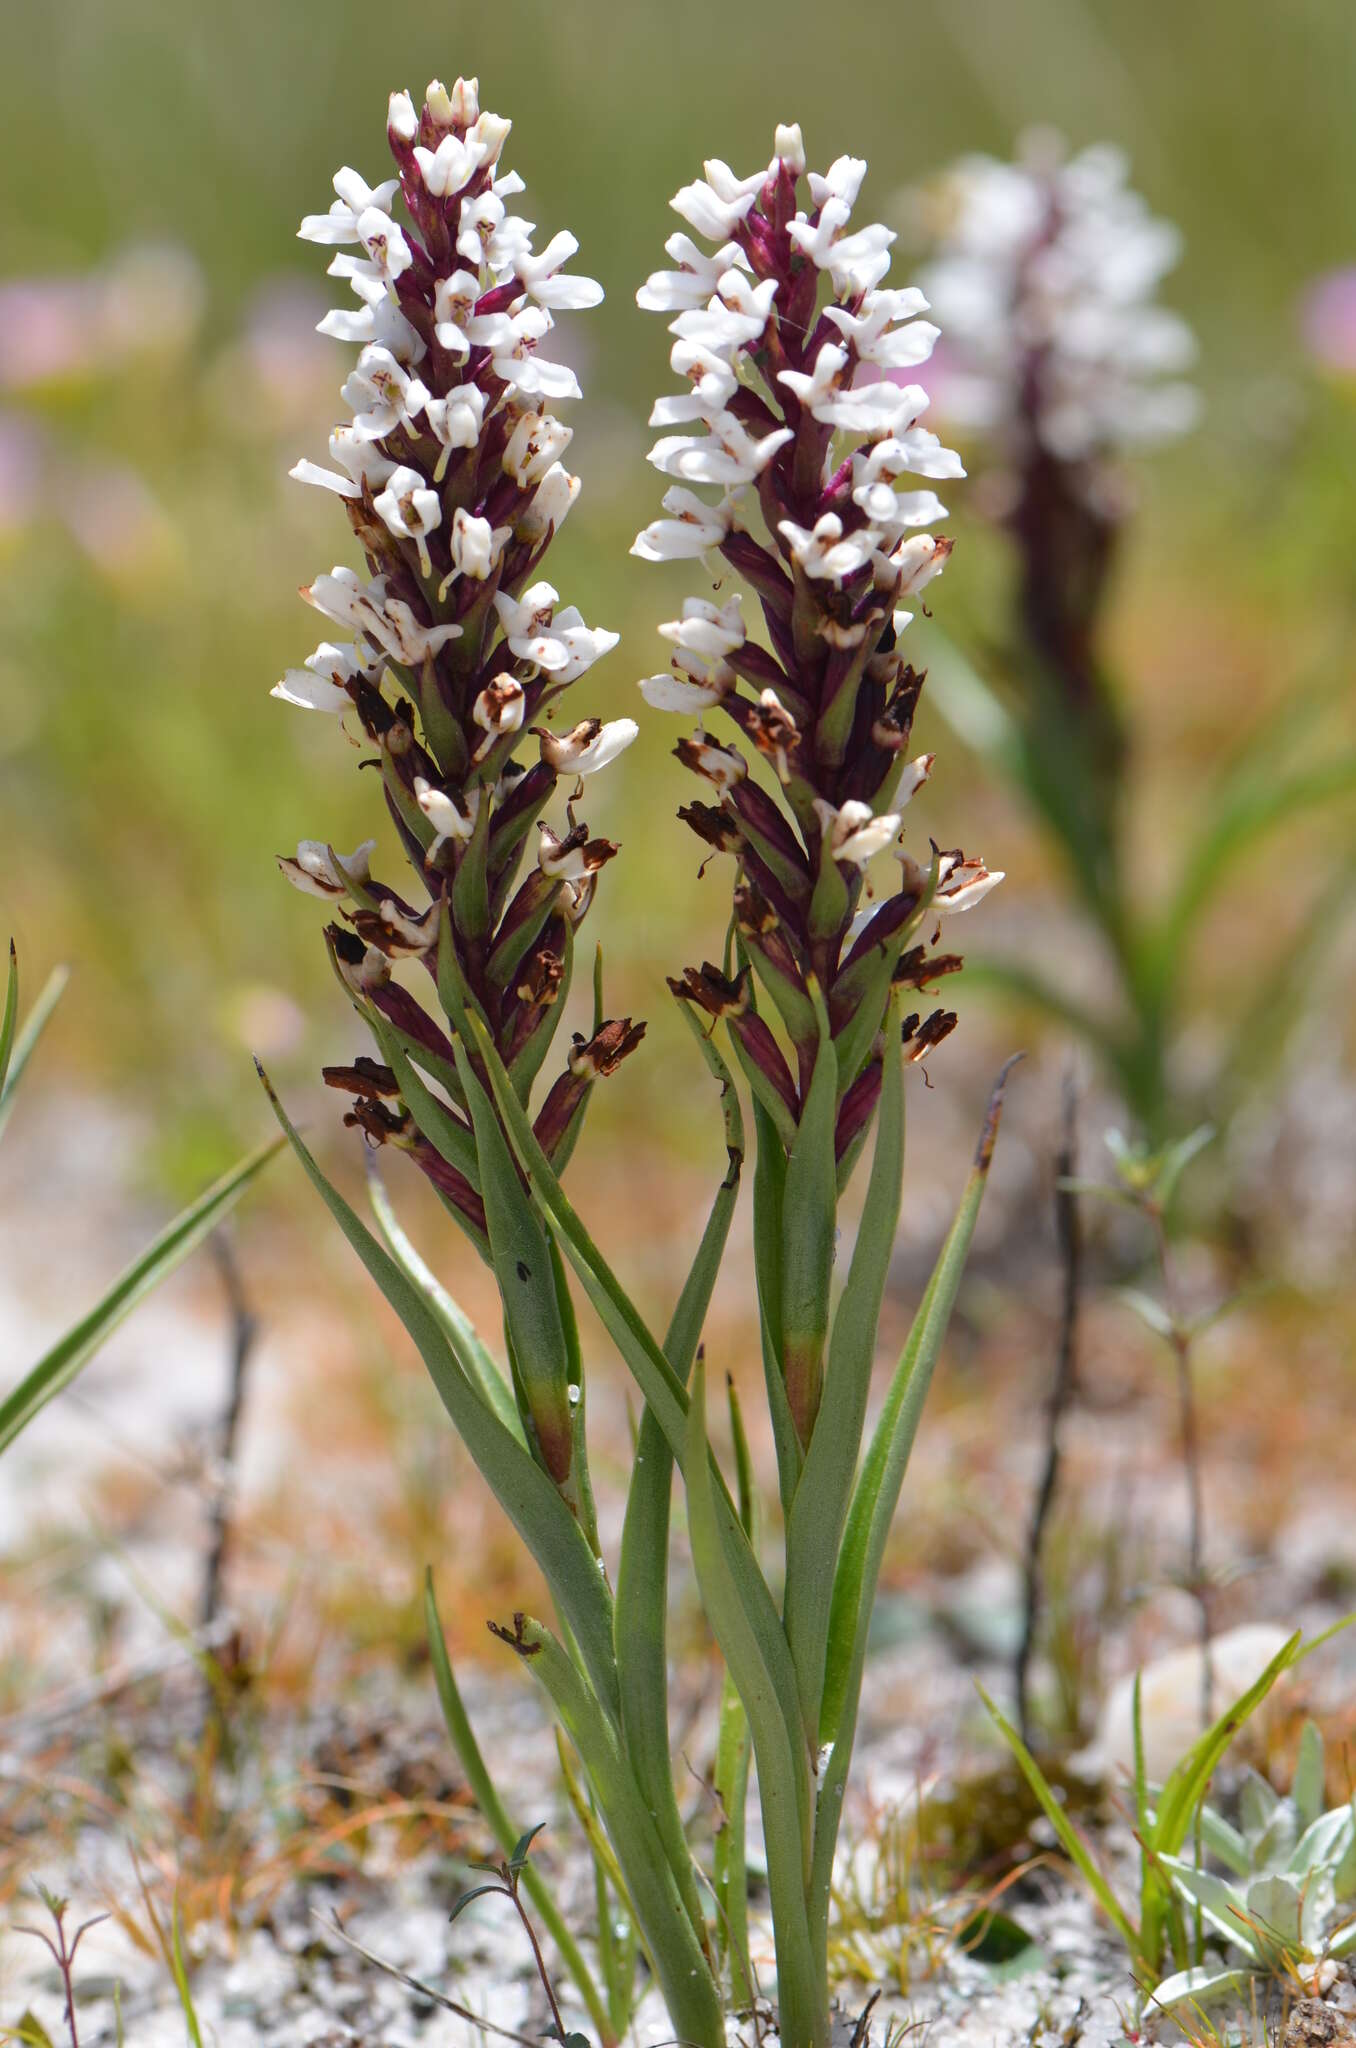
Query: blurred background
[(160, 373)]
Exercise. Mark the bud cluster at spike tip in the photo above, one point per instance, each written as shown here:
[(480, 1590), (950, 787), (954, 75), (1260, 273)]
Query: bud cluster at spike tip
[(450, 472), (798, 411)]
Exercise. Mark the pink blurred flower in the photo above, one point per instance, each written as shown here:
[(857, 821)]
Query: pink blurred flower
[(1328, 320)]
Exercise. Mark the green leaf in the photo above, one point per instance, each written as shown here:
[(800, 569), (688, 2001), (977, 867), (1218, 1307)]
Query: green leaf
[(477, 1891), (1075, 1848), (524, 1491), (684, 1973), (67, 1357), (1185, 1787), (819, 1510), (1224, 1842), (641, 1606), (1199, 1986), (522, 1268), (9, 1019), (1218, 1902), (495, 1813), (480, 1366), (765, 1678), (25, 1042), (874, 1499), (448, 1136), (1310, 1771), (769, 1181), (809, 1215)]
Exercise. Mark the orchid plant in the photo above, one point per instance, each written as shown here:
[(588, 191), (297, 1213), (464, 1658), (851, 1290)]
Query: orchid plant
[(451, 476), (1060, 365)]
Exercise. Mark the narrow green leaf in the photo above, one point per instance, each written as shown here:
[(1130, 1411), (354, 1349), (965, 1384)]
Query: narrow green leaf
[(809, 1216), (67, 1357), (641, 1605), (1216, 1900), (9, 1019), (1307, 1788), (447, 1135), (480, 1366), (769, 1182), (495, 1813), (524, 1491), (1075, 1848), (872, 1509), (26, 1040), (684, 1972), (522, 1268), (1199, 1986), (1185, 1787), (819, 1510), (767, 1688)]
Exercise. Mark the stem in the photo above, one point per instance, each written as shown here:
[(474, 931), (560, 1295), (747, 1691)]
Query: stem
[(1181, 1342), (537, 1955), (1069, 1237), (244, 1329)]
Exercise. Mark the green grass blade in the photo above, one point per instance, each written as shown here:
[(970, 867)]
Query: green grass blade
[(683, 1968), (24, 1042), (524, 1491), (1075, 1848), (641, 1603), (819, 1510), (179, 1969), (872, 1509), (479, 1363), (767, 1688), (74, 1351), (495, 1814), (9, 1018), (1186, 1784)]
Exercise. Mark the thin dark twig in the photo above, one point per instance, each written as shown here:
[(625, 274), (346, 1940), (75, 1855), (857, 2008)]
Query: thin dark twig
[(1069, 1237), (463, 2012), (540, 1960), (1180, 1339), (244, 1329), (62, 1955)]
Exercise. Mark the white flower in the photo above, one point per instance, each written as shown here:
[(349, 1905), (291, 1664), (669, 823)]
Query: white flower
[(447, 818), (893, 511), (319, 871), (717, 205), (917, 560), (356, 197), (360, 462), (589, 747), (387, 250), (451, 165), (694, 282), (963, 883), (550, 506), (489, 234), (713, 382), (401, 119), (456, 421), (539, 274), (912, 776), (380, 389), (411, 511), (711, 631), (724, 766), (388, 623), (678, 693), (498, 709), (381, 322), (914, 452), (728, 455), (788, 147), (823, 553), (454, 301), (881, 408), (693, 529), (537, 441), (853, 833), (734, 317), (475, 546), (873, 335), (841, 182), (320, 685), (560, 643)]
